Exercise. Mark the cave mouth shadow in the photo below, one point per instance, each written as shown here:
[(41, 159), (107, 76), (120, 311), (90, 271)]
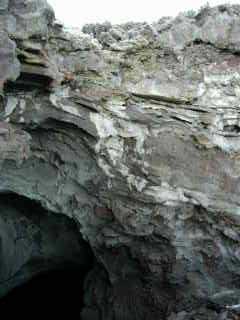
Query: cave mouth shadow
[(53, 293), (59, 289)]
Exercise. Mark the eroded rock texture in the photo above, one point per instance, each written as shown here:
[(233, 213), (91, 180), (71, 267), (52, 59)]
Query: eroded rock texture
[(132, 131)]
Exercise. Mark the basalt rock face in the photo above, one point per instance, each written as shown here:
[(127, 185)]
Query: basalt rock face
[(34, 241), (133, 132)]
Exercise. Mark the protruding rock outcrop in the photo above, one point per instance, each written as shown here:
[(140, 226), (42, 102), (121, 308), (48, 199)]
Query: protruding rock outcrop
[(133, 132)]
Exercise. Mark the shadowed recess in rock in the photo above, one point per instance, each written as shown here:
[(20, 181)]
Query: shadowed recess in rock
[(55, 293), (28, 82), (42, 256)]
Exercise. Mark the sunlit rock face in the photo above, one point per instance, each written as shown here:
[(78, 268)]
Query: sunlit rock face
[(133, 132)]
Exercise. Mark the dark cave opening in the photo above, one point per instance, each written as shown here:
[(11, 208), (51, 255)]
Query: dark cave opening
[(56, 293), (50, 258)]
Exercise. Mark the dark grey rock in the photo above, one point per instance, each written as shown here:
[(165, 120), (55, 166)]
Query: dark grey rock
[(33, 18), (10, 67), (132, 131), (34, 241), (3, 5)]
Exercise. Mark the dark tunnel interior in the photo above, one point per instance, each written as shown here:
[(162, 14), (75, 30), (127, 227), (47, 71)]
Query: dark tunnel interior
[(58, 293)]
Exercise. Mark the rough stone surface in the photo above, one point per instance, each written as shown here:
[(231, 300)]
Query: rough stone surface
[(132, 131), (34, 241)]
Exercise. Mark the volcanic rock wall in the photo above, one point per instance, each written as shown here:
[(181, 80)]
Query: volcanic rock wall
[(132, 131)]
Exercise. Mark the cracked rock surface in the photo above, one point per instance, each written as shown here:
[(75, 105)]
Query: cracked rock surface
[(133, 132)]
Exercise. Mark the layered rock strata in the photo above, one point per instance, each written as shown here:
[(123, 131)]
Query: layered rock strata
[(133, 132)]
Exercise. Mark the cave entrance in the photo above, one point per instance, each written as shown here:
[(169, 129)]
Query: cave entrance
[(43, 261), (56, 293)]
